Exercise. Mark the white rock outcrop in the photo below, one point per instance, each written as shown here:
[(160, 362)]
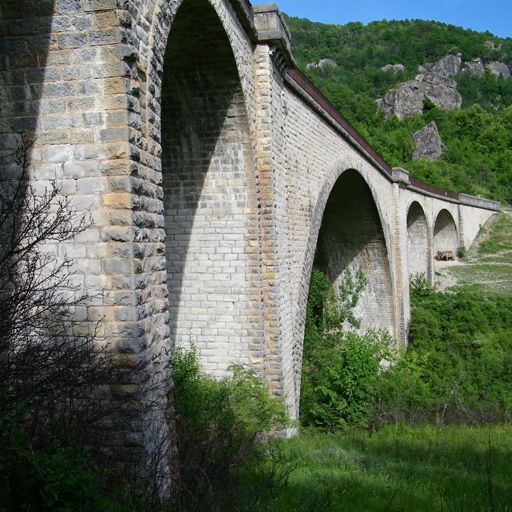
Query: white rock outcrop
[(406, 99), (449, 65), (428, 143), (498, 68), (395, 67), (322, 64)]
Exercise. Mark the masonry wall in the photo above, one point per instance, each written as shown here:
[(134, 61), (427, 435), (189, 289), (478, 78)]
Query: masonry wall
[(351, 239), (418, 241), (210, 194), (449, 224), (210, 178), (309, 156), (472, 219)]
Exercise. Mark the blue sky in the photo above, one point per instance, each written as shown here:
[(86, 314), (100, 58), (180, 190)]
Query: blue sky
[(481, 15)]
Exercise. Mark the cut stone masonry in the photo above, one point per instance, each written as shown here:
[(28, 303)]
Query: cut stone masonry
[(212, 170)]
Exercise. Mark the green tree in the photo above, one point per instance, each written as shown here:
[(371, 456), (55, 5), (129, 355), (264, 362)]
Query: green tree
[(340, 367)]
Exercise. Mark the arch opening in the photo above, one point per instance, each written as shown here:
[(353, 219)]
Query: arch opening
[(210, 207), (351, 238), (446, 237), (417, 242)]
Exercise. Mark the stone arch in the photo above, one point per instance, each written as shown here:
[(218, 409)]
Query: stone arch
[(345, 186), (446, 237), (418, 260), (210, 194), (152, 50)]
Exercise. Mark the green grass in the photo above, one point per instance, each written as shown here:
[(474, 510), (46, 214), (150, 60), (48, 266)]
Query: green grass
[(401, 469), (500, 237), (488, 266)]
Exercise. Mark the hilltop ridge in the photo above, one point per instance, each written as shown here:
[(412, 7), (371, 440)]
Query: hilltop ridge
[(391, 79)]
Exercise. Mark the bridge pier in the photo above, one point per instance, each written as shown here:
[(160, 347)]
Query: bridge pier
[(211, 168)]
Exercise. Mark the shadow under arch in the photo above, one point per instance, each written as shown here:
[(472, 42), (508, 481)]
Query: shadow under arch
[(446, 237), (418, 247), (210, 193), (346, 223), (351, 237)]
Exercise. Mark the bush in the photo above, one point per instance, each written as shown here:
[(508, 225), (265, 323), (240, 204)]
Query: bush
[(458, 367), (340, 378), (224, 465), (59, 477), (340, 369)]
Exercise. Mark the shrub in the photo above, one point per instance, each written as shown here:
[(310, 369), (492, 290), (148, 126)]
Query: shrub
[(56, 478), (458, 367), (340, 377), (340, 369), (224, 465), (420, 285)]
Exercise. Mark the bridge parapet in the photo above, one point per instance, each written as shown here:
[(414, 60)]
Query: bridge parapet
[(272, 29), (479, 202), (427, 189)]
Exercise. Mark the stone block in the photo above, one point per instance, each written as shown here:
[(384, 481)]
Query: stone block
[(75, 72), (72, 40), (99, 5), (82, 169), (104, 36), (68, 6), (117, 266)]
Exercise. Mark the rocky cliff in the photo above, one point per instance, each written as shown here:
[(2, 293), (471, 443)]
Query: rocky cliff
[(428, 143), (407, 98)]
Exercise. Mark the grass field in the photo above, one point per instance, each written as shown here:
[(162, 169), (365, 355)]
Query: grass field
[(401, 469)]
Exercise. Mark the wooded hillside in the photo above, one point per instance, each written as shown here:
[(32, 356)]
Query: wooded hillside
[(477, 158)]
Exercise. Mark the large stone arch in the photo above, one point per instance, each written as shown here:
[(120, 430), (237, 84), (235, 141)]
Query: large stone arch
[(446, 237), (153, 46), (345, 185), (210, 194), (418, 254)]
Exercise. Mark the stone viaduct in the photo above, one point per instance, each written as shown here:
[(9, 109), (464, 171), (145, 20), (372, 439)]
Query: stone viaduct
[(212, 169)]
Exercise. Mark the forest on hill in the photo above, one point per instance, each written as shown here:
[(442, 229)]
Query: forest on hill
[(477, 136)]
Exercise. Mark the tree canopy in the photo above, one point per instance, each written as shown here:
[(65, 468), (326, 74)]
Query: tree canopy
[(478, 136)]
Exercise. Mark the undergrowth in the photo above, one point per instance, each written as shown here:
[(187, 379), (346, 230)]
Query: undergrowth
[(227, 460), (401, 469)]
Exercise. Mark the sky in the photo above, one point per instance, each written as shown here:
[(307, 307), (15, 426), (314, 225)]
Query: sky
[(494, 16)]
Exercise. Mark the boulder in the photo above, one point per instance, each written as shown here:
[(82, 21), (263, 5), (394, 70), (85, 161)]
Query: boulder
[(490, 45), (395, 67), (478, 67), (406, 99), (498, 68), (428, 143), (474, 67), (449, 65), (322, 64)]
